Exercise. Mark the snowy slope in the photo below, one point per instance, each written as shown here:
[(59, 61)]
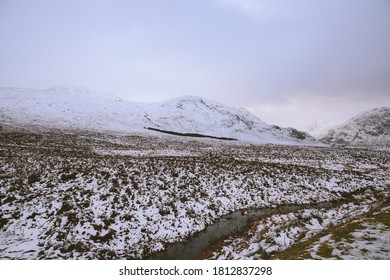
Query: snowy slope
[(193, 114), (79, 108), (71, 108), (368, 128)]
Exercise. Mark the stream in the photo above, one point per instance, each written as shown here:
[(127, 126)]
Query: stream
[(194, 246)]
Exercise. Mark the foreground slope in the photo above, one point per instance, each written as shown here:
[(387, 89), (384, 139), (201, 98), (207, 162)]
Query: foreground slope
[(368, 128), (82, 109), (96, 196)]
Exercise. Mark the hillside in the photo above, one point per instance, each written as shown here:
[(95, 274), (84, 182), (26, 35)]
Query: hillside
[(83, 109), (368, 128)]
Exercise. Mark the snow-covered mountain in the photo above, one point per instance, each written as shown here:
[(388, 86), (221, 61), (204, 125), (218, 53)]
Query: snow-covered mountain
[(68, 108), (78, 108), (199, 115), (368, 128)]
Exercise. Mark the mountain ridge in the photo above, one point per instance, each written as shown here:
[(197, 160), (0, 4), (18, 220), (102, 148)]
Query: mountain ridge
[(371, 127), (79, 108)]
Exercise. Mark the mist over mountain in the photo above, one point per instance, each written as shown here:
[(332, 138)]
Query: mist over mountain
[(317, 128)]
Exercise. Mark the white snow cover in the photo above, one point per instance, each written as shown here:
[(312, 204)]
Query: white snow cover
[(368, 128), (68, 108), (280, 231), (73, 196), (79, 108)]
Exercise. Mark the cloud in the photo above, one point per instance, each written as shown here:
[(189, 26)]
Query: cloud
[(263, 9), (307, 57), (248, 5)]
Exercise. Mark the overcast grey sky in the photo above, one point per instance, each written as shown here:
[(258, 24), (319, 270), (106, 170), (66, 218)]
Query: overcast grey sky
[(288, 62)]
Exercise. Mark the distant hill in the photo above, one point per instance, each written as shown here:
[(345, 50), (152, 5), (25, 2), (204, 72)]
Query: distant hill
[(368, 128)]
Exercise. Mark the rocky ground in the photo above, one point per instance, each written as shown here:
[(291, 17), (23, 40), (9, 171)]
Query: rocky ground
[(97, 196)]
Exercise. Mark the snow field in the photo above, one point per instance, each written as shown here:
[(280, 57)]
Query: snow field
[(62, 200)]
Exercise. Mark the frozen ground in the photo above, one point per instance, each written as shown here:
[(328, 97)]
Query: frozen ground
[(99, 196), (363, 238), (355, 230)]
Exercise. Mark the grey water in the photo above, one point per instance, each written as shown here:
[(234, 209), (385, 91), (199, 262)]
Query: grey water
[(193, 247)]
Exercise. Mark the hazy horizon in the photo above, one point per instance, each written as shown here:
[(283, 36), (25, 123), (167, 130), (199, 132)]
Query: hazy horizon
[(288, 63)]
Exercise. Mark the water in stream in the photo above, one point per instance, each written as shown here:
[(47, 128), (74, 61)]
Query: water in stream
[(193, 247)]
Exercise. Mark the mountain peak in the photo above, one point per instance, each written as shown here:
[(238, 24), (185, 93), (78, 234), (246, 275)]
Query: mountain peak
[(193, 99), (373, 112)]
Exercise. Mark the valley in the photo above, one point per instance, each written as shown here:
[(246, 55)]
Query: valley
[(90, 195)]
